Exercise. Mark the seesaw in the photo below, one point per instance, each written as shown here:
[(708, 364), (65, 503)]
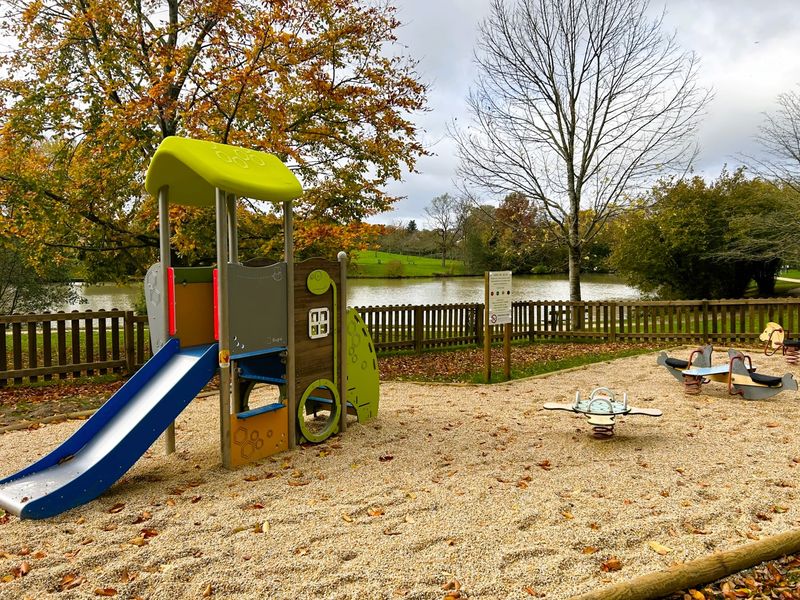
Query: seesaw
[(738, 374), (774, 337), (601, 409), (698, 358)]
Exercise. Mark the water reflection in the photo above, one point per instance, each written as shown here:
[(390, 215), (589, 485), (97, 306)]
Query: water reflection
[(441, 290), (428, 290), (104, 295)]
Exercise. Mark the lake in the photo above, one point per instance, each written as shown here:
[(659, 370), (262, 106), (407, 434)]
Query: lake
[(424, 290)]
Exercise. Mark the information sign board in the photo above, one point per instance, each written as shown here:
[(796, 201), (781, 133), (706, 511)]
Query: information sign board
[(499, 297)]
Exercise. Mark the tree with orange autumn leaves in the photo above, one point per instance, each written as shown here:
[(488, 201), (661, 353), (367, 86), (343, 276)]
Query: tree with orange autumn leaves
[(91, 88)]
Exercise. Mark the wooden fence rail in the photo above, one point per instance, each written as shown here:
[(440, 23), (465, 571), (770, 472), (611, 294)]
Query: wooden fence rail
[(685, 321), (76, 344)]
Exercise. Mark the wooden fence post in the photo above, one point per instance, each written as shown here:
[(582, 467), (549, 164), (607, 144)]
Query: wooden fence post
[(418, 325), (612, 322), (531, 316), (705, 321), (478, 308), (130, 359)]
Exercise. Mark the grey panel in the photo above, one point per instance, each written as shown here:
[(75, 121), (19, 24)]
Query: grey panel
[(257, 307), (154, 297)]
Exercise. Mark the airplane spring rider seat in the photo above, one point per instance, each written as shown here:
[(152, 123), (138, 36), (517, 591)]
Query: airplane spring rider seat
[(601, 409), (775, 338), (699, 358)]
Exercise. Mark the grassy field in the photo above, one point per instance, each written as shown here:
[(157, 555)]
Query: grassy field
[(374, 263)]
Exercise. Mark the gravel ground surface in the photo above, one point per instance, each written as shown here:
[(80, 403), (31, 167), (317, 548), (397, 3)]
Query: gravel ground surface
[(457, 491)]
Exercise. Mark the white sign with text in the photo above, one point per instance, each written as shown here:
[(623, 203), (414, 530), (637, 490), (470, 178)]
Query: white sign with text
[(499, 297)]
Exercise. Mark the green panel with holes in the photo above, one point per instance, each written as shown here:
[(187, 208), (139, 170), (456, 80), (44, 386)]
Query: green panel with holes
[(363, 383)]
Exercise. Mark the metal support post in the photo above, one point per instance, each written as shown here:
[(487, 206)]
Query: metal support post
[(224, 334), (164, 257), (291, 382)]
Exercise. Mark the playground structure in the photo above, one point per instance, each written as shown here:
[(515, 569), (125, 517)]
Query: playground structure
[(775, 338), (601, 409), (284, 326), (738, 373)]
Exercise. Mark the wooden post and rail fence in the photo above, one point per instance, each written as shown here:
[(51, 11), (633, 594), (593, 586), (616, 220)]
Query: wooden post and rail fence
[(78, 344)]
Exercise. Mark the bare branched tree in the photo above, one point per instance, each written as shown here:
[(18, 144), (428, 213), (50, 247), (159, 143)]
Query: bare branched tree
[(578, 103), (779, 136), (446, 215)]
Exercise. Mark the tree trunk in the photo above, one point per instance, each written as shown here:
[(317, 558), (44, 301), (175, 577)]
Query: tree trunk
[(575, 286), (575, 274)]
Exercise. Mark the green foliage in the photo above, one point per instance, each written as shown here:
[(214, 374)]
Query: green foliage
[(90, 90), (514, 236), (394, 268), (28, 285), (690, 239)]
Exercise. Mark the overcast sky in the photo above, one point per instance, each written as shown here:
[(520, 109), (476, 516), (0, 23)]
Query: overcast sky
[(749, 53)]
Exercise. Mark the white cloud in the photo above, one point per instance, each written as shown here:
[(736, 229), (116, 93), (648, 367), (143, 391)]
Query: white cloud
[(748, 52)]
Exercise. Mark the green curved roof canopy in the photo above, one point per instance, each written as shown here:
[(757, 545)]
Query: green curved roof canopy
[(193, 169)]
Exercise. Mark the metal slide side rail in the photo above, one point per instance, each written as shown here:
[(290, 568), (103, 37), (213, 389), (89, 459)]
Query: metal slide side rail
[(114, 438)]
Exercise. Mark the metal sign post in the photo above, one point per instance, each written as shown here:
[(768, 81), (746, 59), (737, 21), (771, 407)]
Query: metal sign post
[(497, 296)]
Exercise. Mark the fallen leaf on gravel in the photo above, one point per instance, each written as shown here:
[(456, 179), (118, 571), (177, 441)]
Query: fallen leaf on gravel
[(375, 511), (208, 591), (117, 507), (6, 579), (105, 592), (567, 515), (659, 548), (298, 482), (301, 551), (39, 555), (385, 458), (263, 527), (772, 424), (590, 550), (128, 576), (452, 585), (697, 595), (545, 464), (347, 518), (138, 541), (70, 581), (611, 564), (149, 533), (391, 532), (143, 516)]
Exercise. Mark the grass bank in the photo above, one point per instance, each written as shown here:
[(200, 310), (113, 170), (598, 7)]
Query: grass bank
[(374, 263)]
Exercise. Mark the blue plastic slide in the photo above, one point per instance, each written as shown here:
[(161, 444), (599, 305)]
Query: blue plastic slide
[(114, 438)]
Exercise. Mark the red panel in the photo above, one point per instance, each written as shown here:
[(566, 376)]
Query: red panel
[(171, 300), (216, 306)]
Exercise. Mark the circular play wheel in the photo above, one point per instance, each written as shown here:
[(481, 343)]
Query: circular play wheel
[(318, 411)]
